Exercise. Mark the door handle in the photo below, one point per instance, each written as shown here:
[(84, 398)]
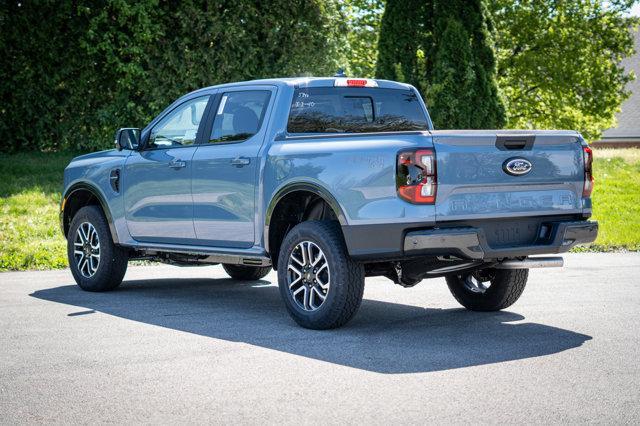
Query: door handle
[(240, 161), (177, 164)]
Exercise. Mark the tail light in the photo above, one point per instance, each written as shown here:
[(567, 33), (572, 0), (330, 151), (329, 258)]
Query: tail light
[(588, 172), (417, 176)]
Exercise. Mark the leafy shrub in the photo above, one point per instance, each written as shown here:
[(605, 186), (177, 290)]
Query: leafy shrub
[(72, 72)]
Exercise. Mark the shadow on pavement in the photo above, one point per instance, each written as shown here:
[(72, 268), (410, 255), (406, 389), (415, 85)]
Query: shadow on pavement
[(383, 337)]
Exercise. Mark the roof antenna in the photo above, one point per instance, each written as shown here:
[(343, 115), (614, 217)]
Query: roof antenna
[(340, 73)]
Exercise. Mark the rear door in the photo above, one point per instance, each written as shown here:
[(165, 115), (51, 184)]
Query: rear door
[(489, 174), (226, 164)]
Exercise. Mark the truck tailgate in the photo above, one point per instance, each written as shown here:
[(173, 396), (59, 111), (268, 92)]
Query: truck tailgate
[(478, 180)]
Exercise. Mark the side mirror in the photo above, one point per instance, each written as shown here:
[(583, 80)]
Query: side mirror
[(127, 138)]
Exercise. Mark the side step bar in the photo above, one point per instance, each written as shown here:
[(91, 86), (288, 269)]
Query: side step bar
[(206, 255), (532, 262)]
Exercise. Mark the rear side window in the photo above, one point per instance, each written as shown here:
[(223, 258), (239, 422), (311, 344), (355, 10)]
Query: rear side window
[(239, 115), (355, 110)]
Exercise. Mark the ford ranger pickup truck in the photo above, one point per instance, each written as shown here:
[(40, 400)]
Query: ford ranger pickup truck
[(328, 181)]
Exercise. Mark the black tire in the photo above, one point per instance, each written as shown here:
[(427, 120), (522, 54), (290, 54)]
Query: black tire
[(505, 289), (113, 259), (246, 273), (346, 283)]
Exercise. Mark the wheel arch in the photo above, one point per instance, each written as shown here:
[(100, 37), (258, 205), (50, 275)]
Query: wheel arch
[(299, 189), (80, 195)]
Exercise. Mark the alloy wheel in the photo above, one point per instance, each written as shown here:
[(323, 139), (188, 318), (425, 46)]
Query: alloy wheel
[(86, 249), (308, 276), (477, 281)]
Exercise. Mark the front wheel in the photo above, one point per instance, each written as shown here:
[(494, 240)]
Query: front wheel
[(96, 263), (488, 289), (320, 284)]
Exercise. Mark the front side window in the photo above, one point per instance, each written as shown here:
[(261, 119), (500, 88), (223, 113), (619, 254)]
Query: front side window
[(355, 110), (180, 126), (239, 115)]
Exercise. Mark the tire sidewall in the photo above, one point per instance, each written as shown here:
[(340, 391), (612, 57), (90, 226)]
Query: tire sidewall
[(246, 272), (504, 290), (92, 215), (306, 231)]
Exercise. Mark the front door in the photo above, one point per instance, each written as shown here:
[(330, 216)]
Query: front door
[(225, 167), (157, 180)]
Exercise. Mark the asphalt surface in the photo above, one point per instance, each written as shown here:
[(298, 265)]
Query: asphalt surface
[(189, 345)]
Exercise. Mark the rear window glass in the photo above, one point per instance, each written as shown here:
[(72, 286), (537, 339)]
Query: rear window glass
[(355, 110), (239, 115)]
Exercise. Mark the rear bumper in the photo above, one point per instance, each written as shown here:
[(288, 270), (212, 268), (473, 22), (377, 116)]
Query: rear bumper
[(396, 241), (471, 242)]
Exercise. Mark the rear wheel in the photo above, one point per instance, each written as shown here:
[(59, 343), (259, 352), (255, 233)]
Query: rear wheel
[(488, 289), (246, 273), (320, 284), (96, 263)]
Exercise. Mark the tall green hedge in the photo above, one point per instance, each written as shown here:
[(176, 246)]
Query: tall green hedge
[(445, 48), (400, 39), (461, 81), (72, 72)]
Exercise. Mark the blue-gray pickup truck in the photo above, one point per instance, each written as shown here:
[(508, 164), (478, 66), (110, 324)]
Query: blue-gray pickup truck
[(328, 181)]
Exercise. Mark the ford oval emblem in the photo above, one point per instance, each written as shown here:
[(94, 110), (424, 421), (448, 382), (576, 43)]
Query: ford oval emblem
[(517, 166)]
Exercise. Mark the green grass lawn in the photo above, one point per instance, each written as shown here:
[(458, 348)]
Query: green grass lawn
[(616, 199), (30, 186)]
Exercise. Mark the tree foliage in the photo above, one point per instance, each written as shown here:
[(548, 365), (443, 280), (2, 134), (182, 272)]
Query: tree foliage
[(363, 22), (559, 62), (73, 71), (401, 38), (445, 48), (460, 73)]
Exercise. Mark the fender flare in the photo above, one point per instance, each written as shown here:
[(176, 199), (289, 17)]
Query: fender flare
[(301, 186), (84, 186)]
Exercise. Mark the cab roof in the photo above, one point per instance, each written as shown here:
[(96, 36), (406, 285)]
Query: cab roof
[(308, 82)]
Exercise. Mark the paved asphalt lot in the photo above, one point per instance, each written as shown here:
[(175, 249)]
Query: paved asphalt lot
[(188, 345)]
